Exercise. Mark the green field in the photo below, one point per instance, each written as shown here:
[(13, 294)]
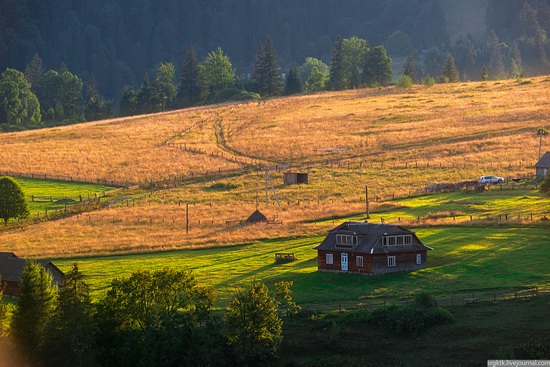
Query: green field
[(49, 194), (463, 259)]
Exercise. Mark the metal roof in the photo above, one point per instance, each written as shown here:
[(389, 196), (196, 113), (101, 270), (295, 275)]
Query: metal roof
[(370, 238), (544, 161)]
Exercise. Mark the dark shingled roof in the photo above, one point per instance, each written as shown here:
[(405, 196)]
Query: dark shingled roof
[(370, 238), (12, 266), (544, 161)]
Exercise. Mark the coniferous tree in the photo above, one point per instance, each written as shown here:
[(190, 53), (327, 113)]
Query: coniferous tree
[(96, 108), (409, 69), (70, 339), (449, 72), (128, 102), (189, 91), (484, 76), (337, 79), (266, 76), (144, 98), (33, 311), (34, 72), (378, 67), (293, 84)]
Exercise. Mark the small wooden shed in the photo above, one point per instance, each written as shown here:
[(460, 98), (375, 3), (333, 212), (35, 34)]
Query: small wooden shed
[(543, 165), (293, 178)]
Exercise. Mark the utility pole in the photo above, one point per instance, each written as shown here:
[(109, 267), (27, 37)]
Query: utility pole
[(187, 218), (367, 200)]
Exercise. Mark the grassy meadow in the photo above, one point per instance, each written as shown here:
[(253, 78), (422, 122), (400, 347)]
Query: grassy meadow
[(52, 195), (463, 259), (483, 126)]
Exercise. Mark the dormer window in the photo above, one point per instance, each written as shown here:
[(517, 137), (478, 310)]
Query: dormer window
[(344, 240), (397, 240)]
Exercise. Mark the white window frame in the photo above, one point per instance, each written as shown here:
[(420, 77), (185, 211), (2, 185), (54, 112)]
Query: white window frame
[(359, 261), (329, 259), (391, 261), (418, 259)]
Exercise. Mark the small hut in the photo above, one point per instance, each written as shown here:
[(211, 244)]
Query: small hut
[(256, 217), (293, 178)]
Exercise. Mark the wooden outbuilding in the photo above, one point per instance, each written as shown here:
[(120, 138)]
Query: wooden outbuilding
[(11, 268), (365, 248), (293, 178), (256, 217), (543, 165)]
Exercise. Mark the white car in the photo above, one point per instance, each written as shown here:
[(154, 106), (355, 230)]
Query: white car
[(490, 179)]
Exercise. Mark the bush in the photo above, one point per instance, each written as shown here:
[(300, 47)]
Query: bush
[(404, 82), (424, 299), (409, 320), (223, 186), (428, 81), (545, 185)]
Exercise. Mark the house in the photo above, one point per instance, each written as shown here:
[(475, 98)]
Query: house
[(11, 268), (367, 248), (293, 178), (543, 165)]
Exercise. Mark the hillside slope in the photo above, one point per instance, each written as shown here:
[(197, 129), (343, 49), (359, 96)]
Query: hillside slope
[(464, 17)]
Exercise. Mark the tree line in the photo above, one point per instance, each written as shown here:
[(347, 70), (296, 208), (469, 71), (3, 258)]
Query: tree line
[(151, 318)]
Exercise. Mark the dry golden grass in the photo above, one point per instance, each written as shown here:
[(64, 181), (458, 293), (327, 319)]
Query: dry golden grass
[(472, 123), (454, 133)]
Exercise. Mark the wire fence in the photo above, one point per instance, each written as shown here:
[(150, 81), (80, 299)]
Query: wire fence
[(470, 297)]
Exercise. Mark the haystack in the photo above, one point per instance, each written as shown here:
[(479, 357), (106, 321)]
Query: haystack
[(256, 217)]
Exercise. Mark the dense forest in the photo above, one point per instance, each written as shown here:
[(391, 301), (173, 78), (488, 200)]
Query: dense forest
[(112, 45)]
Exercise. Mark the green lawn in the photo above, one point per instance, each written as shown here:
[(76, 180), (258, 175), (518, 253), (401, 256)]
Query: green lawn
[(42, 190), (463, 204), (463, 259)]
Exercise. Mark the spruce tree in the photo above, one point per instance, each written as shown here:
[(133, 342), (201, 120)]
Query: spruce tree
[(35, 307), (266, 76), (70, 337), (337, 79), (96, 108), (128, 102), (34, 73), (189, 91), (409, 69), (293, 84), (449, 72)]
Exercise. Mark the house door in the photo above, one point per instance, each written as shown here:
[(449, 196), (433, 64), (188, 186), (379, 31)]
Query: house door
[(345, 262)]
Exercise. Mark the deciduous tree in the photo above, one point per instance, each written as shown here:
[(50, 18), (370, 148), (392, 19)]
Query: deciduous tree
[(378, 67), (13, 203), (18, 104), (216, 74), (254, 329)]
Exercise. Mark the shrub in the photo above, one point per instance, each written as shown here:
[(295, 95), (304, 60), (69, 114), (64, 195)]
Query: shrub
[(223, 186), (424, 299), (428, 81), (404, 82), (545, 185), (409, 320)]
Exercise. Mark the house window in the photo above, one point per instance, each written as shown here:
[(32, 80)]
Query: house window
[(329, 259), (391, 260), (346, 240), (397, 240), (359, 261), (418, 259)]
